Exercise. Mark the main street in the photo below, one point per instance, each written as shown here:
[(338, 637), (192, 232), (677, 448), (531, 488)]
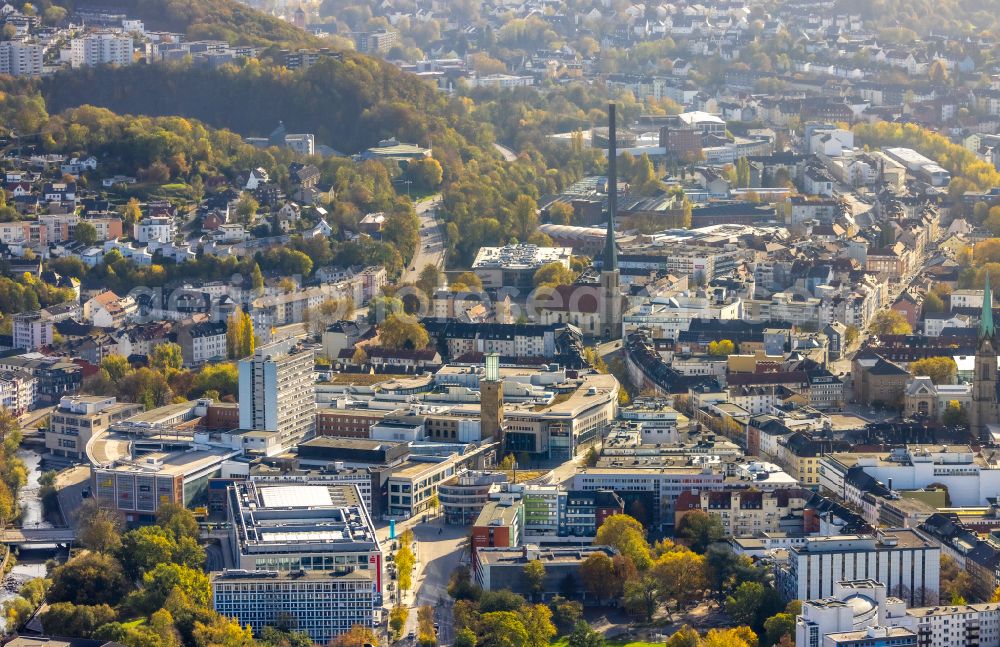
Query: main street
[(440, 549), (431, 248)]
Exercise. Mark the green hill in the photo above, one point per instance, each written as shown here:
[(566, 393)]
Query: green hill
[(349, 105), (209, 19)]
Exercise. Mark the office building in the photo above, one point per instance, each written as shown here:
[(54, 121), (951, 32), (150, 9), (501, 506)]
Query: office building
[(902, 559), (79, 418), (101, 49), (503, 568), (277, 393), (323, 604), (863, 607), (514, 266), (137, 487), (279, 527)]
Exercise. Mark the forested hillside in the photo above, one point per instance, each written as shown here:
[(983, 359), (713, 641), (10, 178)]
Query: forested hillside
[(199, 19), (348, 105), (934, 16)]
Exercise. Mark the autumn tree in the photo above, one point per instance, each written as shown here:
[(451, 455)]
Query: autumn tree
[(85, 233), (941, 370), (99, 528), (627, 535), (553, 274), (132, 212), (722, 348), (597, 574), (534, 576), (166, 357), (889, 322), (402, 331), (680, 576), (429, 279), (560, 213)]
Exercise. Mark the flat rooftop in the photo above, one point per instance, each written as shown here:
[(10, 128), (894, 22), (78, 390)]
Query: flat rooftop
[(515, 556), (237, 575), (179, 463), (322, 518)]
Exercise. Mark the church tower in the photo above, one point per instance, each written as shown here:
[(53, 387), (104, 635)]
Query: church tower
[(611, 295), (985, 410)]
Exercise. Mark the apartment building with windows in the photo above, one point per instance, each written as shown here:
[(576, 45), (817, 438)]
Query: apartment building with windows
[(277, 393)]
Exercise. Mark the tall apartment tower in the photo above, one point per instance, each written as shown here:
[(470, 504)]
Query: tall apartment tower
[(611, 294), (491, 401), (278, 394)]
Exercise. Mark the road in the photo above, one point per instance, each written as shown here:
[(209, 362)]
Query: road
[(508, 154), (431, 248), (440, 548), (70, 485)]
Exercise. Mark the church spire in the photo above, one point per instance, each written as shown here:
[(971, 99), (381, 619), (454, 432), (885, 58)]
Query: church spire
[(610, 251), (986, 326)]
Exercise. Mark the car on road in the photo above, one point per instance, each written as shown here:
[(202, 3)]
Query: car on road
[(411, 635)]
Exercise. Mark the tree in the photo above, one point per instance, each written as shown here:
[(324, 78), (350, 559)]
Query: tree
[(743, 172), (597, 574), (680, 576), (537, 621), (246, 208), (553, 274), (851, 335), (470, 280), (747, 603), (684, 637), (738, 637), (117, 367), (534, 576), (955, 415), (158, 584), (941, 370), (178, 520), (937, 72), (99, 528), (524, 217), (698, 529), (560, 213), (502, 629), (627, 535), (256, 279), (778, 625), (722, 348), (166, 358), (397, 619), (356, 636), (425, 173), (591, 457), (465, 637), (403, 331), (68, 619), (91, 578), (584, 636), (143, 548), (429, 279), (640, 597), (933, 304), (405, 561), (132, 213), (85, 233), (889, 322)]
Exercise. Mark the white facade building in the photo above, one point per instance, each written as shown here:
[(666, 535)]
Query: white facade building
[(21, 59), (277, 393), (101, 49)]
